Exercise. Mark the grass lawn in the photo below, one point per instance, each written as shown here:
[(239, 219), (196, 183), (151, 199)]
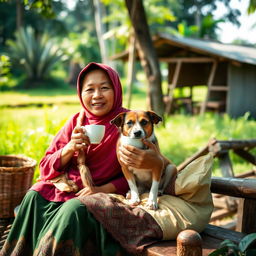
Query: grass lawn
[(30, 119)]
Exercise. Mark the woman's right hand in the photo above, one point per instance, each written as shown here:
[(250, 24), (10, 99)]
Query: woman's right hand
[(79, 140)]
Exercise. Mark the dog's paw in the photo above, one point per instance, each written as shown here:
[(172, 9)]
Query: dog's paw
[(134, 201), (128, 195), (152, 205)]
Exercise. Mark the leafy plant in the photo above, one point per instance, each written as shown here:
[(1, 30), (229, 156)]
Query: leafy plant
[(36, 55), (246, 247), (4, 70)]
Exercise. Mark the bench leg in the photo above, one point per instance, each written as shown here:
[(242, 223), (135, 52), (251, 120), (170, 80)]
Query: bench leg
[(189, 243)]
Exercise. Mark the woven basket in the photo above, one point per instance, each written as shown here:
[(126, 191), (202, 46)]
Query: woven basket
[(16, 174)]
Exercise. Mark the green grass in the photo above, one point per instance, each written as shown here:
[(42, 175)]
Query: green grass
[(29, 130)]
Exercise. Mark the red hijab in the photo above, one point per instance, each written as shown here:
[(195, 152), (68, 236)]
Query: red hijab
[(101, 159)]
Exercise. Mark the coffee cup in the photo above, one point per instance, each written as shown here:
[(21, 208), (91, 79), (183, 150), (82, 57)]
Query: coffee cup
[(95, 132), (132, 141)]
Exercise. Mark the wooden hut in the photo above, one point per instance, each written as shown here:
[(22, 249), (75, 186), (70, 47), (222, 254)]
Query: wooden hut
[(228, 71)]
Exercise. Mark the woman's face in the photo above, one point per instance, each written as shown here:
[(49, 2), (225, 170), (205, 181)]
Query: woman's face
[(97, 92)]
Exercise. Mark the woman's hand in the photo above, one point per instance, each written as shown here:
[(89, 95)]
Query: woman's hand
[(78, 141), (141, 158), (107, 188)]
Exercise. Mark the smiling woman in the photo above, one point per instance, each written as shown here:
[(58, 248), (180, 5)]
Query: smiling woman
[(97, 93)]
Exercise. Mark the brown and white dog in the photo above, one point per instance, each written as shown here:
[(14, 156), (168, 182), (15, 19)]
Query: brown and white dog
[(135, 126)]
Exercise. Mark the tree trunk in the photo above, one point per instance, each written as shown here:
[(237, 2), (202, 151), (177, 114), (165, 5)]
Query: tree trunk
[(100, 29), (147, 54), (19, 14), (130, 73)]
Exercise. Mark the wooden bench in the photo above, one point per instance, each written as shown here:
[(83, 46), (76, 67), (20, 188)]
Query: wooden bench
[(191, 243), (227, 206)]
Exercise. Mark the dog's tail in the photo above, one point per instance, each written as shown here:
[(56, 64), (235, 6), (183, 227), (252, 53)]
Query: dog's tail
[(83, 169)]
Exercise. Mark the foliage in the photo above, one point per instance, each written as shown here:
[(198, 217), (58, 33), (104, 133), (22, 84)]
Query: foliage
[(244, 248), (31, 16), (4, 70), (209, 27), (28, 139), (29, 130), (186, 30), (45, 8), (81, 48), (184, 135), (37, 55), (252, 7)]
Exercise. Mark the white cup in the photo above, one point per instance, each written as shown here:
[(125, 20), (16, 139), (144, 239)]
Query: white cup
[(95, 132), (131, 141)]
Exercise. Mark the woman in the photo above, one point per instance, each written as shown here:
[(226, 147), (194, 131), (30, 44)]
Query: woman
[(54, 222), (98, 219)]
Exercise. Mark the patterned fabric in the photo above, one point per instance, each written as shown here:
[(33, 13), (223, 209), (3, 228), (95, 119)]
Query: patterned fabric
[(132, 227), (44, 228)]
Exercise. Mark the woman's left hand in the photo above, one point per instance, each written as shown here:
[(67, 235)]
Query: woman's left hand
[(141, 158)]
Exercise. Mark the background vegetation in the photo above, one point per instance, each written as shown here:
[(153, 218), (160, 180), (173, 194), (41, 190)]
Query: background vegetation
[(29, 129), (44, 44)]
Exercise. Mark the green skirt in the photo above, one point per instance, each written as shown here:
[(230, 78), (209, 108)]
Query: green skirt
[(54, 228)]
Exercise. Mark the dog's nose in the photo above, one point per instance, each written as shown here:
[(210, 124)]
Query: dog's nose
[(137, 134)]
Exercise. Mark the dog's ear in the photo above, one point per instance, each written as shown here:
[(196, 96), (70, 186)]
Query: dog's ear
[(154, 117), (118, 120)]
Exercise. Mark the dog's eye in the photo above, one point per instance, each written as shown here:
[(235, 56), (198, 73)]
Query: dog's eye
[(129, 123), (144, 122)]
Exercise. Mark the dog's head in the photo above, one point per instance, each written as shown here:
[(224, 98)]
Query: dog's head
[(136, 124)]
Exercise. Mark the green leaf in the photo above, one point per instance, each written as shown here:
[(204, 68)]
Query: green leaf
[(219, 252), (247, 241)]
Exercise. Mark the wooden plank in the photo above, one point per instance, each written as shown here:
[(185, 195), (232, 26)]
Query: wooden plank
[(219, 88), (215, 104), (236, 187), (221, 213), (219, 145), (246, 155), (187, 60), (246, 174), (209, 84), (161, 248), (222, 234), (226, 165), (173, 86), (246, 216)]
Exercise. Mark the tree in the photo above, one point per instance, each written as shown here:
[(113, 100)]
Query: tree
[(147, 54), (100, 29), (252, 7), (200, 13)]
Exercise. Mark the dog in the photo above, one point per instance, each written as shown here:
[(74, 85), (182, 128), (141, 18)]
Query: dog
[(135, 126)]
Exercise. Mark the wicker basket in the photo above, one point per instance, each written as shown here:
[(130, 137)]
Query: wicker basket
[(16, 174)]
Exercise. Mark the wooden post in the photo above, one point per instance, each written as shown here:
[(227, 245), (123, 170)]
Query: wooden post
[(209, 84), (172, 86), (246, 215), (189, 243)]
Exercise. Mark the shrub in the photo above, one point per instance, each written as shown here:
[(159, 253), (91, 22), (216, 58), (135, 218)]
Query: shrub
[(4, 70), (36, 55)]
